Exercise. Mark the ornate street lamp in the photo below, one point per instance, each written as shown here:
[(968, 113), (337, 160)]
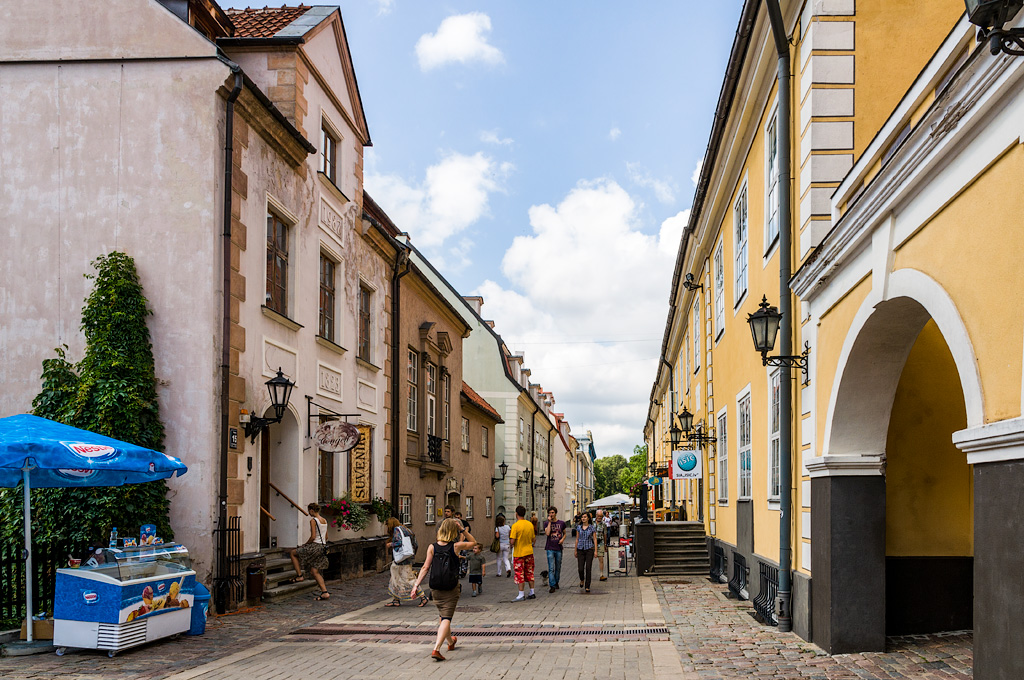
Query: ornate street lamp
[(685, 420), (764, 328), (280, 389), (990, 16), (696, 435), (503, 468), (675, 435)]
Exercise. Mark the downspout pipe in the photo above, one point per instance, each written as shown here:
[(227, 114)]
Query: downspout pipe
[(786, 326), (221, 586), (533, 461), (671, 418), (401, 268)]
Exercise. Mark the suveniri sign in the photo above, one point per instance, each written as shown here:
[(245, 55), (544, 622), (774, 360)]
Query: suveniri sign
[(360, 457)]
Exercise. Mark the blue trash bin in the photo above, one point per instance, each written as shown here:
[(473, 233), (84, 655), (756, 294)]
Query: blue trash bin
[(200, 607)]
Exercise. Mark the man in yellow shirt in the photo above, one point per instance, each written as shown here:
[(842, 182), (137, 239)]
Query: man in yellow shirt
[(522, 537)]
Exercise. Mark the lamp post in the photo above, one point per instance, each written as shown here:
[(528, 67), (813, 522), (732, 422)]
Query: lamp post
[(990, 16), (280, 389), (764, 328), (503, 468)]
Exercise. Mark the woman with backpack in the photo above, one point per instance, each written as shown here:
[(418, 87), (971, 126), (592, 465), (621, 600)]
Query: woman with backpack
[(442, 563), (402, 573)]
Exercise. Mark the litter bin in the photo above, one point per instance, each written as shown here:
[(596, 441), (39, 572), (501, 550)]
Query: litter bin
[(254, 577), (200, 608)]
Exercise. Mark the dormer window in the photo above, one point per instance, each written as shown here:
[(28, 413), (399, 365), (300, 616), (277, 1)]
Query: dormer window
[(329, 152)]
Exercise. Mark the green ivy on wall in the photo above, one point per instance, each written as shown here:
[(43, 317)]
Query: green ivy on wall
[(112, 391)]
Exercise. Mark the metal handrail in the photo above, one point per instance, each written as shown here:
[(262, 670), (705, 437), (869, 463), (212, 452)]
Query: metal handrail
[(267, 513), (285, 496)]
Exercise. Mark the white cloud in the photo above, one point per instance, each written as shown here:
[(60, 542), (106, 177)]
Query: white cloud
[(614, 133), (672, 231), (384, 6), (454, 194), (695, 177), (664, 190), (460, 38), (492, 137), (587, 273)]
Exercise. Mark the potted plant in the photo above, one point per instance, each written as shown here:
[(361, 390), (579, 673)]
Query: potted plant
[(347, 514)]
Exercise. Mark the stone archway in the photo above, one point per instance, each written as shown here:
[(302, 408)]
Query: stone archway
[(853, 510)]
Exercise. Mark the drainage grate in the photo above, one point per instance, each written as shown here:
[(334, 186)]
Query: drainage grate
[(519, 633)]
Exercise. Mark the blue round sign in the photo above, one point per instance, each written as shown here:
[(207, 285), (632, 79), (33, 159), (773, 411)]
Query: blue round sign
[(686, 461)]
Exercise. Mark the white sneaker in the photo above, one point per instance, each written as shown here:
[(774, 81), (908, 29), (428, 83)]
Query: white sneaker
[(520, 598)]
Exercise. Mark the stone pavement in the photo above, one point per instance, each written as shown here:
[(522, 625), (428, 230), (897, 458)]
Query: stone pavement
[(627, 627)]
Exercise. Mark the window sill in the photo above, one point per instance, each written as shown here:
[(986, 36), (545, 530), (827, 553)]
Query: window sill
[(744, 499), (332, 187), (281, 319), (773, 247), (328, 344), (736, 305), (366, 364), (774, 504)]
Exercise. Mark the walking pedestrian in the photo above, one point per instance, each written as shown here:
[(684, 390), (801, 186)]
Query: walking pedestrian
[(601, 542), (501, 532), (313, 553), (522, 537), (477, 569), (554, 529), (585, 550), (536, 524), (402, 573), (442, 563)]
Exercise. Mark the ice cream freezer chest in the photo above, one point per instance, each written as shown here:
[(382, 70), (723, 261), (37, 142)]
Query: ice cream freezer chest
[(124, 598)]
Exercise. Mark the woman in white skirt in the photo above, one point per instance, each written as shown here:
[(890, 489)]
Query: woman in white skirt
[(501, 532)]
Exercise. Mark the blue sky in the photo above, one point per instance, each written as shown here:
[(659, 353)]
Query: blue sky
[(542, 154)]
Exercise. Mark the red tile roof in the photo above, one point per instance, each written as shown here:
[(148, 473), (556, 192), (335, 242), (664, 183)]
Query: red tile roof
[(472, 397), (266, 22)]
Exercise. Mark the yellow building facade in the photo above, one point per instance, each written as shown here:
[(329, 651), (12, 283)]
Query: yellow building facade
[(906, 428)]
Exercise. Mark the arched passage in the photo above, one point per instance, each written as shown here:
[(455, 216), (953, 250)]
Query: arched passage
[(892, 499)]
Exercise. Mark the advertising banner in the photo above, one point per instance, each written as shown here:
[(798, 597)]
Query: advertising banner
[(360, 457), (686, 464)]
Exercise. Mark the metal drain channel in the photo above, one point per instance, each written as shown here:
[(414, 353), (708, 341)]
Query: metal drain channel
[(340, 630)]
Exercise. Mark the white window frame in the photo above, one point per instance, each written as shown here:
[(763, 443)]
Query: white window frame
[(469, 507), (697, 324), (485, 442), (431, 373), (329, 130), (722, 419), (741, 245), (719, 272), (430, 506), (447, 396), (488, 505), (771, 182), (465, 433), (412, 378), (744, 445), (405, 509), (774, 437)]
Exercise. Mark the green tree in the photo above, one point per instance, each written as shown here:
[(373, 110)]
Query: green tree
[(635, 470), (606, 475), (112, 391)]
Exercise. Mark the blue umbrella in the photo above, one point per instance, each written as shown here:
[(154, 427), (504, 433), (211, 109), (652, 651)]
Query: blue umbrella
[(45, 453)]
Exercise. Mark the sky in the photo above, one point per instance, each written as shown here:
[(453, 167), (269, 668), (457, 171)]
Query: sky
[(543, 154)]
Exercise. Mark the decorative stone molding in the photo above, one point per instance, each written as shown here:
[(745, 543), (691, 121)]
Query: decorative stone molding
[(993, 443), (869, 465)]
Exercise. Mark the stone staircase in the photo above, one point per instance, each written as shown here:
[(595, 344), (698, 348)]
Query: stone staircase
[(680, 548), (280, 576)]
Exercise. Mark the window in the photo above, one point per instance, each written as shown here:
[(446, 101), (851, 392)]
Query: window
[(327, 298), (447, 404), (431, 398), (412, 420), (277, 264), (743, 445), (696, 335), (328, 153), (739, 214), (487, 505), (719, 290), (771, 181), (469, 507), (325, 475), (431, 510), (485, 445), (774, 434), (522, 432), (405, 509), (465, 434), (723, 459), (363, 348)]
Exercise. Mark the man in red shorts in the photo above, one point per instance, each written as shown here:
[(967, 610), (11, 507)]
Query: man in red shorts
[(522, 536)]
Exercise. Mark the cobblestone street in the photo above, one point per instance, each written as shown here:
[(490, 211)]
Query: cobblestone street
[(626, 628)]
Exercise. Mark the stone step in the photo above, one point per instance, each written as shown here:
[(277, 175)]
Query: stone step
[(692, 560), (279, 563), (289, 590), (281, 576)]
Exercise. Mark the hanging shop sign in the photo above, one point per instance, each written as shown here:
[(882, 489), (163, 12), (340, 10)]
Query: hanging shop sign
[(654, 481), (686, 464), (336, 436), (360, 457)]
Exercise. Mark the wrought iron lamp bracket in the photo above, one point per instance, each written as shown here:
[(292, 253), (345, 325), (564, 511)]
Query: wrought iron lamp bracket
[(1006, 40), (792, 361), (257, 425)]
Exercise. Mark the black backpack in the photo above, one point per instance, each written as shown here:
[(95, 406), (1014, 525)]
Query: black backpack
[(444, 568)]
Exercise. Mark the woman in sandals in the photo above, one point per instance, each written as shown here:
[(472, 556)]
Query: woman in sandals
[(445, 600), (313, 553), (402, 573)]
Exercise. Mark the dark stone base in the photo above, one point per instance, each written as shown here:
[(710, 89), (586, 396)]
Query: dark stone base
[(928, 594)]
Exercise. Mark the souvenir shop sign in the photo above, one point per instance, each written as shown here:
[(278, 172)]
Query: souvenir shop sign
[(336, 436), (360, 457)]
